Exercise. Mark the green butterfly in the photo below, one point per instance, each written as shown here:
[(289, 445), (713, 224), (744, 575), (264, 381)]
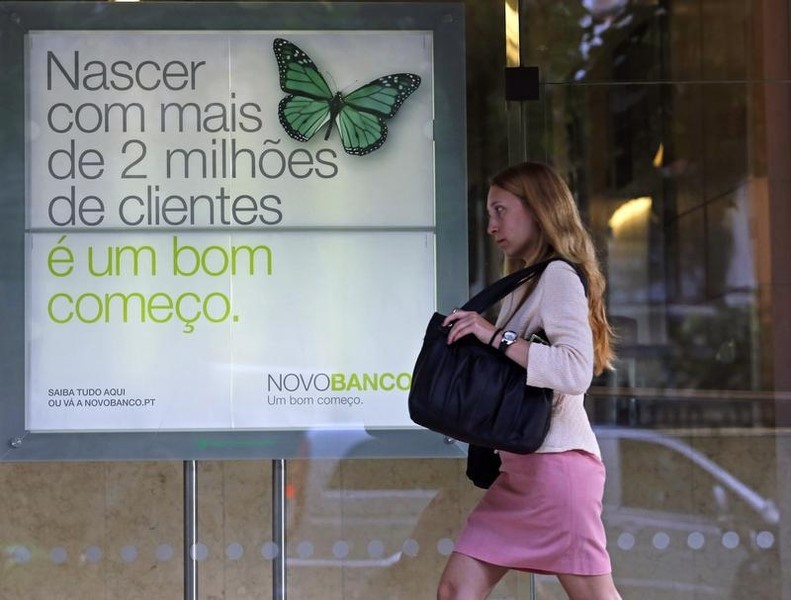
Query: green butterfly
[(360, 115)]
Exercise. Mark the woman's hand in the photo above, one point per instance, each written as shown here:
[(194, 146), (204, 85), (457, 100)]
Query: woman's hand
[(465, 322)]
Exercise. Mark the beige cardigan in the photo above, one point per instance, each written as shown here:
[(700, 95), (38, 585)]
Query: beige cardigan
[(558, 306)]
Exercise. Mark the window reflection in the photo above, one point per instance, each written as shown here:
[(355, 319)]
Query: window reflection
[(664, 147)]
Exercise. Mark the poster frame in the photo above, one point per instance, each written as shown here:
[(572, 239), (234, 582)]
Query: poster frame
[(444, 20)]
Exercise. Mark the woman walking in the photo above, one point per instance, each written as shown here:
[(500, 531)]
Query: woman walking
[(543, 512)]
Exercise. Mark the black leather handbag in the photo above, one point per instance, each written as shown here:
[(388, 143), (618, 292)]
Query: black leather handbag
[(472, 392)]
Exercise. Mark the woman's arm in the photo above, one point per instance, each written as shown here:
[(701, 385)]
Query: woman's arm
[(566, 365), (472, 323)]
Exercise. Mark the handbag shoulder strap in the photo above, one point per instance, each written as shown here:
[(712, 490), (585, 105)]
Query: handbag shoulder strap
[(488, 296)]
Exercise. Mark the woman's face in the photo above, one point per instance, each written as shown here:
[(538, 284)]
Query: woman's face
[(511, 225)]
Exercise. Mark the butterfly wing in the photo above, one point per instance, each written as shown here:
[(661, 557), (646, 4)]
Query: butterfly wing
[(298, 73), (307, 108), (383, 96), (361, 132), (302, 117), (361, 118)]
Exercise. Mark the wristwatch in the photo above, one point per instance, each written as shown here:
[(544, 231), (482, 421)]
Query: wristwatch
[(509, 337)]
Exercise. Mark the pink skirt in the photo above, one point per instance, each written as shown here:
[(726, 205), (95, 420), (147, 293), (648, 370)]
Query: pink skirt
[(542, 514)]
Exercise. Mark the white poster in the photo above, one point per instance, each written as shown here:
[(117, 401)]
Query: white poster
[(227, 230)]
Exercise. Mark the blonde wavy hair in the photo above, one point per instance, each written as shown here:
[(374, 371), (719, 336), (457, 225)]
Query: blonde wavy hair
[(561, 234)]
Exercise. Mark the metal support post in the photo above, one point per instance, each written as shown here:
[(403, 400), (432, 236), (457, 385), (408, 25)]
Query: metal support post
[(190, 530), (279, 528)]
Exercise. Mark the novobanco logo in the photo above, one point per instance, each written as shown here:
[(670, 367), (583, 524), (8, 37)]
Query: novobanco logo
[(338, 382)]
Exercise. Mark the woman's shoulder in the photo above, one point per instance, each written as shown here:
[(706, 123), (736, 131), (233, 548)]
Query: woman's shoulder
[(561, 278), (560, 272), (560, 264)]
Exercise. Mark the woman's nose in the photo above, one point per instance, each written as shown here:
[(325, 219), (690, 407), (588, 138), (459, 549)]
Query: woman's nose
[(491, 228)]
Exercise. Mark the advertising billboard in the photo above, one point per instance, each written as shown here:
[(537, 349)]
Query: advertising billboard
[(228, 230), (217, 236)]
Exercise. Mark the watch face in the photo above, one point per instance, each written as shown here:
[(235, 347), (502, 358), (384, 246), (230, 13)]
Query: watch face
[(509, 337)]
